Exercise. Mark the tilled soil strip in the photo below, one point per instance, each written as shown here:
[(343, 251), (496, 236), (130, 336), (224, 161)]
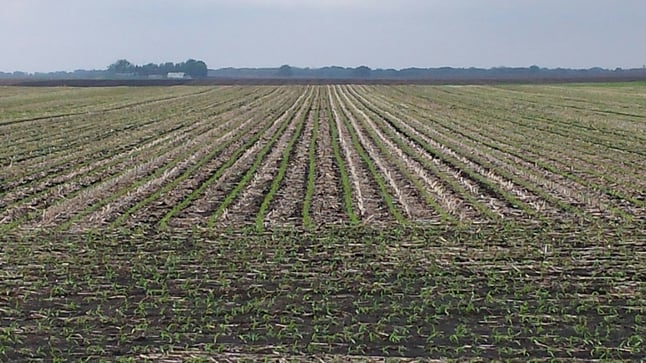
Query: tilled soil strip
[(366, 194), (152, 213), (108, 187), (446, 197), (327, 203), (496, 202), (591, 201), (287, 206), (104, 118), (592, 175), (65, 185), (215, 192), (244, 210), (51, 163), (418, 209)]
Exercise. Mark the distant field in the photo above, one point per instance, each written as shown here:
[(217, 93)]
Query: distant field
[(335, 222)]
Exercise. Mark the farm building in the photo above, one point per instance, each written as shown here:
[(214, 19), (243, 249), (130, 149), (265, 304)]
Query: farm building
[(177, 75)]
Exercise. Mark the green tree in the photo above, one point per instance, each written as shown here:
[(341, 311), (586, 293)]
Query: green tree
[(285, 71), (195, 68), (362, 72), (192, 67), (121, 66)]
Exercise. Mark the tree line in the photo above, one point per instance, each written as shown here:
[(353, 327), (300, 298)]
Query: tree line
[(193, 68), (443, 73), (123, 69)]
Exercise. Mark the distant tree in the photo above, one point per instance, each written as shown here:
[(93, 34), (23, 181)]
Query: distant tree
[(362, 72), (166, 67), (121, 66), (195, 69), (148, 69), (192, 67), (285, 71)]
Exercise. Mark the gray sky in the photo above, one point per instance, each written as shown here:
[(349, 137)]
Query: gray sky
[(48, 35)]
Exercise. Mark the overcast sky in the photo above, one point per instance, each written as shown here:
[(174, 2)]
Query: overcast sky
[(48, 35)]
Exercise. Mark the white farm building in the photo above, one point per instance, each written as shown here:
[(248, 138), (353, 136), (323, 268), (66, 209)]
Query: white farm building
[(177, 75)]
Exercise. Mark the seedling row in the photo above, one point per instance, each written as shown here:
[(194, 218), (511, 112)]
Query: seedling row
[(245, 157)]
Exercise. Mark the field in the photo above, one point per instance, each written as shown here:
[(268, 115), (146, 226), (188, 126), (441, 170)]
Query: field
[(323, 222)]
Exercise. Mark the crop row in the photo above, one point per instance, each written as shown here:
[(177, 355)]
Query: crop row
[(263, 157)]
